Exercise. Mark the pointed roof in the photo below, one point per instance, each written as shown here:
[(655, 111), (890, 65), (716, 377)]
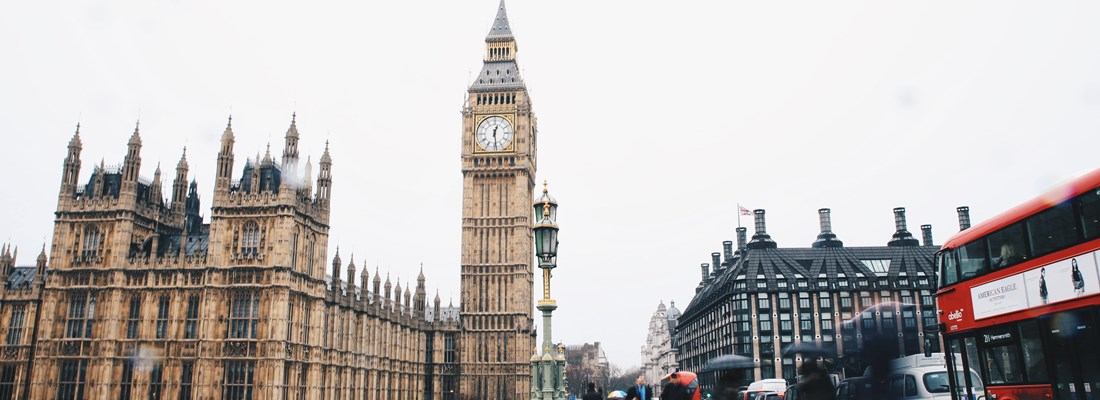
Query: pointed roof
[(136, 137), (42, 255), (293, 130), (325, 158), (75, 141), (228, 133), (500, 31), (183, 160)]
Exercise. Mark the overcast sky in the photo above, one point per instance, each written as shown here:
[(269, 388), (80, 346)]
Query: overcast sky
[(656, 119)]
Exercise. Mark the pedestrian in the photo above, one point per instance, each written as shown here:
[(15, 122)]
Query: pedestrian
[(815, 383), (592, 393), (639, 391), (675, 390)]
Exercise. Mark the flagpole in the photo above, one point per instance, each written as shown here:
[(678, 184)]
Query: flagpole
[(738, 215)]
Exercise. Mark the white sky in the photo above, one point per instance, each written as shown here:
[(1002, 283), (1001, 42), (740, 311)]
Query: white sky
[(656, 118)]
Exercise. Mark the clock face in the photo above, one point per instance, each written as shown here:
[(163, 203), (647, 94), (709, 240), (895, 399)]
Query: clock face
[(494, 134)]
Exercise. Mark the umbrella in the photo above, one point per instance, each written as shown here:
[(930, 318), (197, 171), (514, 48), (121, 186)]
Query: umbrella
[(810, 350), (618, 394), (729, 361)]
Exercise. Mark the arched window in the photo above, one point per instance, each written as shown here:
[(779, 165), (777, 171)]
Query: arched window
[(92, 240), (250, 238)]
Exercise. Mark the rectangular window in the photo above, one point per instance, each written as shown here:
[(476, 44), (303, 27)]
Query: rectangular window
[(845, 301), (72, 374), (826, 324), (763, 303), (81, 314), (1053, 229), (948, 267), (162, 317), (972, 259), (187, 372), (1089, 206), (7, 382), (784, 301), (237, 384), (127, 380), (868, 320), (1007, 246), (865, 299), (806, 322), (15, 326), (785, 324), (1032, 346), (825, 301), (133, 322), (156, 381), (244, 312), (191, 325)]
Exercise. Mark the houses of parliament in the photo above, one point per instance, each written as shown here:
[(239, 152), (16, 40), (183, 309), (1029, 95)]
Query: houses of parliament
[(138, 295)]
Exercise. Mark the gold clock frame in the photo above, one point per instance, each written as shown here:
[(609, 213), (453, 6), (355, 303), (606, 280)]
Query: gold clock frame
[(478, 118)]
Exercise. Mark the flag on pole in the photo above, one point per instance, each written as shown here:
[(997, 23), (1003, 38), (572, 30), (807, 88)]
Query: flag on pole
[(744, 211)]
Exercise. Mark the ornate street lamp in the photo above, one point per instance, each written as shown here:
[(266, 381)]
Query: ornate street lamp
[(548, 368)]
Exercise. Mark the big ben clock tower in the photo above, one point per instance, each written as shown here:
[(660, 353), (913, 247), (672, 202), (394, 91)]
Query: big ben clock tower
[(498, 176)]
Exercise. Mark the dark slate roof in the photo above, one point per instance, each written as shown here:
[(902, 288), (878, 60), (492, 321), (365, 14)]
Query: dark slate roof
[(498, 75), (197, 243), (804, 270), (500, 31), (21, 277)]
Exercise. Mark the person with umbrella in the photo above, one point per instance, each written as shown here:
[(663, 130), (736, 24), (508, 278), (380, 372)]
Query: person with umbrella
[(617, 394), (592, 393)]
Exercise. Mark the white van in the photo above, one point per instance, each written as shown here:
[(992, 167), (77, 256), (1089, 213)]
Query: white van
[(769, 385), (919, 377)]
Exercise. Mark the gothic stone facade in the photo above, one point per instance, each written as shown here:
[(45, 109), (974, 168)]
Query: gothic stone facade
[(143, 299), (762, 299), (498, 171), (659, 352)]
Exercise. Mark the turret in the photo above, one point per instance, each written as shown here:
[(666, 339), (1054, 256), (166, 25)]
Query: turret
[(363, 281), (435, 308), (408, 298), (40, 267), (336, 271), (290, 154), (7, 262), (225, 159), (131, 166), (156, 195), (419, 299), (397, 295), (377, 287), (351, 276), (388, 292), (193, 220), (71, 170), (179, 185), (324, 178)]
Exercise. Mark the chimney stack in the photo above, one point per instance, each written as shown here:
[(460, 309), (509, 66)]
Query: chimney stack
[(727, 250), (761, 239), (716, 261), (902, 237), (826, 238), (742, 238), (706, 270), (926, 232), (964, 218)]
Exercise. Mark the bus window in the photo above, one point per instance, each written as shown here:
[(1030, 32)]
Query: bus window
[(1003, 366), (1053, 229), (949, 268), (1007, 246), (1034, 360), (972, 261), (1089, 204)]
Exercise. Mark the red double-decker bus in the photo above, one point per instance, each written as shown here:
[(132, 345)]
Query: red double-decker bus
[(1019, 295)]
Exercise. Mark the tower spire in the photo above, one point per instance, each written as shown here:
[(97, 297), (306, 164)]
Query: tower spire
[(501, 31), (225, 158)]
